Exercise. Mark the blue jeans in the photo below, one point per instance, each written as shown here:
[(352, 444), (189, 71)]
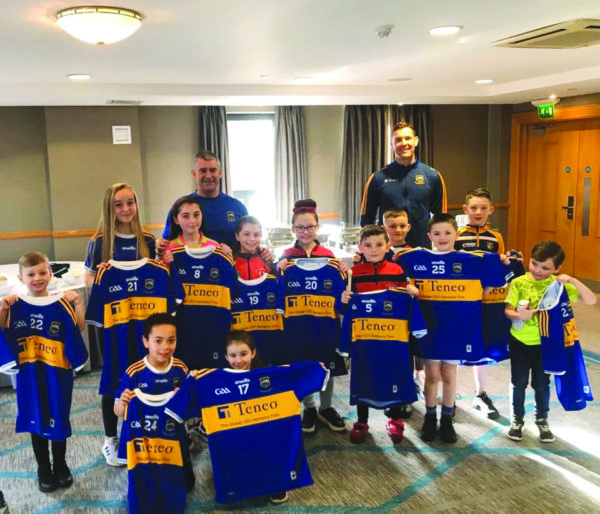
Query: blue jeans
[(523, 358)]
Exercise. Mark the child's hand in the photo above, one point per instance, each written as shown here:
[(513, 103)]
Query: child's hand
[(73, 297), (565, 279), (356, 258), (504, 258), (8, 300), (343, 267), (397, 253), (225, 249), (193, 372), (346, 295), (168, 257), (526, 314), (282, 264), (265, 254), (161, 246), (126, 396), (413, 291), (347, 363)]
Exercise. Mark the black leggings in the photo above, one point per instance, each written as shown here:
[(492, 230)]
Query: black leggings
[(362, 409), (40, 450), (109, 418)]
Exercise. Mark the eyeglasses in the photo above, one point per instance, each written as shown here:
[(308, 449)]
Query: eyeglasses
[(302, 228)]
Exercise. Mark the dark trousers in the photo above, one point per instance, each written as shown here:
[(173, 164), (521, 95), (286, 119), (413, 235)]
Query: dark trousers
[(524, 358), (42, 455), (362, 409), (109, 418)]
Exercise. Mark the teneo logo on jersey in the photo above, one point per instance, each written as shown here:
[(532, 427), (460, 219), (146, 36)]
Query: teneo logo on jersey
[(151, 450), (310, 305), (138, 308), (570, 330), (380, 329), (496, 295), (419, 180), (250, 412), (230, 216), (207, 295), (36, 348), (449, 290), (267, 319)]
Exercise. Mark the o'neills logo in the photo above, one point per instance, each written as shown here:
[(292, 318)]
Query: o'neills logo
[(310, 305), (134, 308)]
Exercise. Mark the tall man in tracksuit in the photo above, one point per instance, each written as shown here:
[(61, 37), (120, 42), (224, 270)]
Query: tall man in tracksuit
[(405, 183)]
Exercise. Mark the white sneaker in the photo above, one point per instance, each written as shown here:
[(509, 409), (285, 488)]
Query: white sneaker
[(109, 450), (484, 404)]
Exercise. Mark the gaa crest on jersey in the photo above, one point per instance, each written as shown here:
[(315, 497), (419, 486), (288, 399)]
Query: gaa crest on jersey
[(149, 284), (271, 298), (54, 327), (328, 284), (230, 216), (457, 268), (170, 425), (264, 382), (387, 306), (214, 273), (419, 180)]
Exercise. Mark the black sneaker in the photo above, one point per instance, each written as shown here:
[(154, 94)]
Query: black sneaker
[(447, 433), (309, 419), (545, 435), (483, 403), (279, 497), (401, 412), (515, 432), (46, 480), (429, 429), (332, 419), (63, 475), (3, 504)]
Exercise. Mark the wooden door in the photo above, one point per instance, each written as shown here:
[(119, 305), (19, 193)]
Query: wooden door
[(552, 161), (562, 192), (587, 212)]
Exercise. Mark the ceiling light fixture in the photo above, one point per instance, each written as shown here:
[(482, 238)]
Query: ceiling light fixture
[(79, 76), (445, 30), (481, 82), (99, 25), (398, 79)]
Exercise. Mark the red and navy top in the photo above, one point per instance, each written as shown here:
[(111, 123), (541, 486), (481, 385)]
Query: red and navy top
[(250, 266), (371, 276), (297, 252)]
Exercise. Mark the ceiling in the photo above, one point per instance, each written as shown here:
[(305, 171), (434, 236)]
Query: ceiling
[(213, 52)]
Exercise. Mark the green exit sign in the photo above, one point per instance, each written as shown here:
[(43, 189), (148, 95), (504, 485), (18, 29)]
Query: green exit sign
[(545, 111)]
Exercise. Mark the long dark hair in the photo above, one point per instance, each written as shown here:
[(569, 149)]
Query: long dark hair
[(241, 336), (175, 229)]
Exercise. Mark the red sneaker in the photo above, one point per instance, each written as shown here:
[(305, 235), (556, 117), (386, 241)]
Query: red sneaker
[(358, 432), (395, 429)]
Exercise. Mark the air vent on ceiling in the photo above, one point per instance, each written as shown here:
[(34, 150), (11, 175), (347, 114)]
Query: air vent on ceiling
[(568, 34), (124, 102)]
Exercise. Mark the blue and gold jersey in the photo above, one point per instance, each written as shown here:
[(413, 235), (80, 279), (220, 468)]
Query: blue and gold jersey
[(154, 447), (451, 288), (124, 294), (143, 376), (204, 278), (125, 248), (375, 335), (309, 296), (47, 346), (254, 309), (252, 419)]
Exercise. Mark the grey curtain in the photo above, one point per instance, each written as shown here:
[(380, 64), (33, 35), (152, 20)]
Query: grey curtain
[(212, 136), (419, 116), (364, 151), (291, 175)]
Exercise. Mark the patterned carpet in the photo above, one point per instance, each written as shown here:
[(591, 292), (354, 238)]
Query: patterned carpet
[(483, 472)]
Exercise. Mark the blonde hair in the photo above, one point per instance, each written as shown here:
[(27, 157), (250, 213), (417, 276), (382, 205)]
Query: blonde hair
[(107, 223)]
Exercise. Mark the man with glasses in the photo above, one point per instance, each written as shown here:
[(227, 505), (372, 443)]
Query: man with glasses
[(405, 183), (221, 211)]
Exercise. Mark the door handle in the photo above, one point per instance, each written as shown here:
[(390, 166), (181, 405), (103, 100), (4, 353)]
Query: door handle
[(570, 207)]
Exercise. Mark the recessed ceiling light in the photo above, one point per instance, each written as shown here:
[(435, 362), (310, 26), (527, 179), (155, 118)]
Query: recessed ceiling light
[(552, 97), (79, 76), (400, 103), (399, 79), (302, 80), (445, 30), (484, 81)]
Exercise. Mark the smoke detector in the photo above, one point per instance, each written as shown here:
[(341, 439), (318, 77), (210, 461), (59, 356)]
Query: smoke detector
[(384, 31)]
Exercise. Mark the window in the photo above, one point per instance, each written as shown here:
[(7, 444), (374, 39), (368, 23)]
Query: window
[(252, 163)]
